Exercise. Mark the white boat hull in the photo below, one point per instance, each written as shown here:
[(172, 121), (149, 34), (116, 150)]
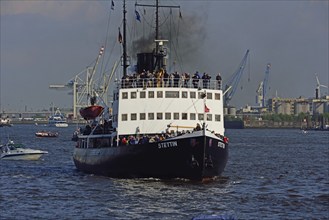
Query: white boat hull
[(23, 154), (61, 125)]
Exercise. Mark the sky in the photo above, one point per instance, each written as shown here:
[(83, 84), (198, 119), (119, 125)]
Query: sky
[(50, 42)]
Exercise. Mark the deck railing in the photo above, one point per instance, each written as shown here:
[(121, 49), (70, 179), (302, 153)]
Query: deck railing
[(169, 83)]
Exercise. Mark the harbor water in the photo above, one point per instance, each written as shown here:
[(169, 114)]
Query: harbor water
[(271, 174)]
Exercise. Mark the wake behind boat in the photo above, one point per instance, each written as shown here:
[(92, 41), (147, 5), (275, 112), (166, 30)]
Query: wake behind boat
[(162, 125), (12, 151)]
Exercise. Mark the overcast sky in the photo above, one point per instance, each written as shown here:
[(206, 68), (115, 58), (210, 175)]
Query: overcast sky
[(49, 42)]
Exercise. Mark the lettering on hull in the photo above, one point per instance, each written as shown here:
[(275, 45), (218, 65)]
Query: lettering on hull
[(221, 145), (167, 144)]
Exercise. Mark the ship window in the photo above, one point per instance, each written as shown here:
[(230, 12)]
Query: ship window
[(124, 95), (124, 117), (167, 115), (217, 96), (184, 94), (159, 94), (192, 116), (142, 116), (133, 116), (172, 94), (201, 95), (176, 115), (133, 95), (209, 95), (217, 117), (209, 117), (159, 115), (151, 94), (184, 116), (151, 116), (200, 116), (142, 94), (192, 95)]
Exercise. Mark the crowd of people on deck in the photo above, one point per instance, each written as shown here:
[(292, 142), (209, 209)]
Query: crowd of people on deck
[(163, 79), (139, 138)]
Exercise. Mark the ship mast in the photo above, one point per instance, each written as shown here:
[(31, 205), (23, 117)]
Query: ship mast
[(157, 26), (159, 53), (124, 43)]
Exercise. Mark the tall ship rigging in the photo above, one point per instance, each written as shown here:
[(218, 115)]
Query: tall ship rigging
[(160, 124)]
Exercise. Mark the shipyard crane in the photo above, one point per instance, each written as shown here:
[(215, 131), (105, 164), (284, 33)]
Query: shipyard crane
[(83, 85), (232, 83), (262, 88), (259, 92), (265, 83), (318, 86)]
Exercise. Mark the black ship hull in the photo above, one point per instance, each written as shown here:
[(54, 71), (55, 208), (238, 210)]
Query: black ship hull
[(192, 157)]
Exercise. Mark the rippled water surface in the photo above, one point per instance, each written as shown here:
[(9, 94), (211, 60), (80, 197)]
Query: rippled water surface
[(271, 174)]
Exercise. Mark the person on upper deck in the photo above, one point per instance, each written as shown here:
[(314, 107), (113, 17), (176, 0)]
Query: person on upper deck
[(219, 80), (196, 78), (206, 79)]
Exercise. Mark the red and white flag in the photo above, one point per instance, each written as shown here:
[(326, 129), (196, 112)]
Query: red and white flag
[(206, 109)]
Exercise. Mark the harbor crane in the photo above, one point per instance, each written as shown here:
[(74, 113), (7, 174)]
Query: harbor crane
[(83, 85), (232, 83), (262, 88), (265, 83), (318, 86)]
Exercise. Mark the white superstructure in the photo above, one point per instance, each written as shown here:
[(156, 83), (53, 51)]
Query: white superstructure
[(151, 110)]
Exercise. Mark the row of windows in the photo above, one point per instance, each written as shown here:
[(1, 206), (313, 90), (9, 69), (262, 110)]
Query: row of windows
[(170, 94), (170, 116)]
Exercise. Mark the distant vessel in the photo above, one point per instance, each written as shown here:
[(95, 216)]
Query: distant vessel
[(57, 120), (162, 126), (46, 134), (12, 151), (5, 122)]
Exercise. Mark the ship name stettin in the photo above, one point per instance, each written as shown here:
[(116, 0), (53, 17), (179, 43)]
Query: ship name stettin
[(167, 144), (221, 145)]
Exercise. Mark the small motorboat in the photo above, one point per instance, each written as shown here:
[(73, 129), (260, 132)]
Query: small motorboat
[(5, 122), (12, 151), (46, 134)]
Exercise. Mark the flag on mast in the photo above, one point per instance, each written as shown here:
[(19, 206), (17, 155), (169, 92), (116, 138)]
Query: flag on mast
[(120, 37), (138, 17), (112, 5), (206, 109)]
